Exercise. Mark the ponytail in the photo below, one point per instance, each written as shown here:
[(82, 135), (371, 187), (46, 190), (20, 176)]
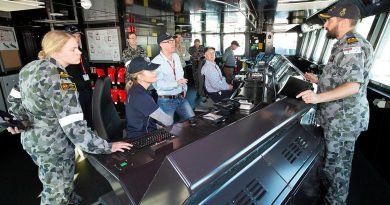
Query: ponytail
[(41, 55), (132, 81)]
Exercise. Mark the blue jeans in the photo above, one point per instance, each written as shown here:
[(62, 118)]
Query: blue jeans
[(180, 105)]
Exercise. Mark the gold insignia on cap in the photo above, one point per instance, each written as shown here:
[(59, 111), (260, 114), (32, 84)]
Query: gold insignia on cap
[(68, 86), (342, 12), (351, 40), (64, 75)]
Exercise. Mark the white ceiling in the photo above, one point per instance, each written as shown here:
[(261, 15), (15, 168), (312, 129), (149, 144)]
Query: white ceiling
[(302, 5)]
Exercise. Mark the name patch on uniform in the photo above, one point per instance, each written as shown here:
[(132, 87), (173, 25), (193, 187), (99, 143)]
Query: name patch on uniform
[(352, 50), (68, 86), (351, 40), (64, 75)]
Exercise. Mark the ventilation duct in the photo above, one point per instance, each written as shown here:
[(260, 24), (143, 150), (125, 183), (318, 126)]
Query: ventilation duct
[(18, 5), (297, 17)]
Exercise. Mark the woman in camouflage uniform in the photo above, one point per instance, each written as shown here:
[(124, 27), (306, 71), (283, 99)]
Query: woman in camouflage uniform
[(48, 102)]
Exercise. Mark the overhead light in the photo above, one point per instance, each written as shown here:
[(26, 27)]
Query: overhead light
[(86, 4), (160, 24)]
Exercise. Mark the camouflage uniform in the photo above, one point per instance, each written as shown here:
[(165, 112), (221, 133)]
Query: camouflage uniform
[(49, 101), (129, 54), (183, 54), (196, 54), (343, 120)]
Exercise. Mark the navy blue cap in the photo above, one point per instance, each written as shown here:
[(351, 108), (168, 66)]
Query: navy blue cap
[(73, 30), (342, 10), (164, 36), (139, 64)]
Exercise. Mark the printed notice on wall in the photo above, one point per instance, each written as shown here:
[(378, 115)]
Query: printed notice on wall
[(101, 11), (104, 44), (8, 39)]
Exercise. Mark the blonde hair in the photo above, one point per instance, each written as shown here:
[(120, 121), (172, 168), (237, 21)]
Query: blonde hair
[(53, 41), (133, 80)]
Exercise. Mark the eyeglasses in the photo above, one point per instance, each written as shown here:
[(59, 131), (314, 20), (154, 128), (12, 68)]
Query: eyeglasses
[(168, 41)]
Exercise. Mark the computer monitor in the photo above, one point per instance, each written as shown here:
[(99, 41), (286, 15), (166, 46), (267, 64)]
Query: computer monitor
[(237, 90)]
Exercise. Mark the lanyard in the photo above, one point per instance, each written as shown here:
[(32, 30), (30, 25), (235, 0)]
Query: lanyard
[(82, 64), (220, 76), (173, 66)]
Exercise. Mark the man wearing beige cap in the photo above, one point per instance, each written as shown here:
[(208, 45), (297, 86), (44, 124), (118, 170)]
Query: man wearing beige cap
[(343, 110)]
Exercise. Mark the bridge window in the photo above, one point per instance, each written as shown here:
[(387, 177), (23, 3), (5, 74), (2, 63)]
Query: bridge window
[(214, 41), (312, 41), (285, 43), (380, 71), (319, 45), (234, 21), (329, 46), (364, 26), (304, 44), (196, 24), (212, 23)]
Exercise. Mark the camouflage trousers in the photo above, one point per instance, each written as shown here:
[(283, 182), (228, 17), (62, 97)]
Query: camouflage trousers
[(56, 175), (340, 147)]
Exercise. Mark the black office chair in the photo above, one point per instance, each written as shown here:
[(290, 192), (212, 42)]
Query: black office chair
[(202, 88), (206, 103), (104, 115)]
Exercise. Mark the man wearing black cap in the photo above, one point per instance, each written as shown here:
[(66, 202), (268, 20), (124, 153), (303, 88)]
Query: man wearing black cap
[(171, 86), (81, 76), (142, 113), (229, 60), (343, 109)]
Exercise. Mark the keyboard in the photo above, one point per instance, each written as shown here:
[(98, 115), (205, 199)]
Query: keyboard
[(146, 140), (150, 139)]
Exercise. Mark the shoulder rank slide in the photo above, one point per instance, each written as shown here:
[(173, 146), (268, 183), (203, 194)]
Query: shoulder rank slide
[(351, 40), (68, 86), (64, 75)]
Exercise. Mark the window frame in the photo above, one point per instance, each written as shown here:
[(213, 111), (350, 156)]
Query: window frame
[(382, 27)]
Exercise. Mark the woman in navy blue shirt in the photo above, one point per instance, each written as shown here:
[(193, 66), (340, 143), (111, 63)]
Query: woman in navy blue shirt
[(142, 113)]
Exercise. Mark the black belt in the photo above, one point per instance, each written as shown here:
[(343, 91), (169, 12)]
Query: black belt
[(227, 66), (171, 96)]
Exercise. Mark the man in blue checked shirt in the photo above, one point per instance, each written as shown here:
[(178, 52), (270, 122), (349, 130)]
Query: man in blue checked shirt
[(215, 83), (171, 86)]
